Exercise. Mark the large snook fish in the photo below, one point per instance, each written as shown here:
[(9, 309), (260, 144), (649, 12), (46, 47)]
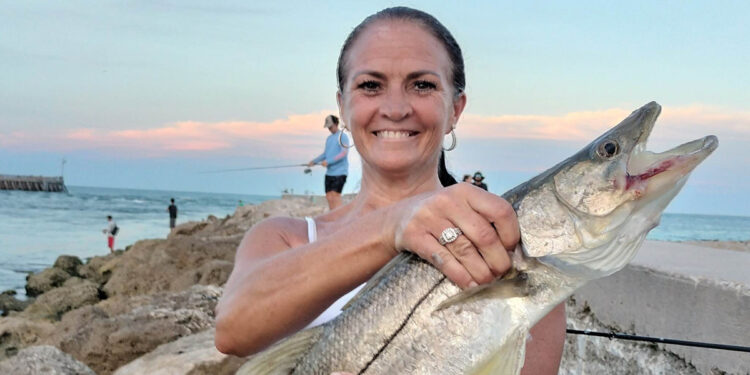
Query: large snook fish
[(582, 219)]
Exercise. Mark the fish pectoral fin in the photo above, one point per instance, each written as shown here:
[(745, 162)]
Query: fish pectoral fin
[(509, 358), (401, 257), (515, 284), (282, 357)]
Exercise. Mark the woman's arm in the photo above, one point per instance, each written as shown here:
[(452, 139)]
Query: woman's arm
[(544, 350), (275, 290)]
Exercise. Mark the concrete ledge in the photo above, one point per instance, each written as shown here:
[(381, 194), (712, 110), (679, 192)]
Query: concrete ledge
[(670, 290)]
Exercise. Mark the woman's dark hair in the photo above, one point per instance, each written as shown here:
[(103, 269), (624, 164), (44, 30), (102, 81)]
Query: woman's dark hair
[(446, 179), (430, 23), (434, 27)]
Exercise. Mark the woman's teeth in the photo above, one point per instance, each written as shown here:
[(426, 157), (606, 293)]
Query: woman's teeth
[(394, 134)]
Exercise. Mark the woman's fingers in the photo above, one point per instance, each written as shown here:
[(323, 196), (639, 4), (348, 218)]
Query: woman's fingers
[(464, 251), (443, 259), (499, 212), (485, 239)]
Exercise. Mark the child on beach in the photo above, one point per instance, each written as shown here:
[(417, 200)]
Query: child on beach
[(111, 231)]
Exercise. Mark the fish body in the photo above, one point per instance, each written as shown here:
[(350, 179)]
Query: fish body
[(582, 219)]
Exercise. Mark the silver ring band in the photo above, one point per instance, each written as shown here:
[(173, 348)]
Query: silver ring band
[(449, 235)]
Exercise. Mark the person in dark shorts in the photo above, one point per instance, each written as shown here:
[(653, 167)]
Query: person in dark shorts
[(172, 209), (335, 183), (334, 158)]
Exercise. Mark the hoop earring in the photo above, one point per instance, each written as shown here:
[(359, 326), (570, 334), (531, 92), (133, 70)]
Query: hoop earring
[(341, 133), (453, 141)]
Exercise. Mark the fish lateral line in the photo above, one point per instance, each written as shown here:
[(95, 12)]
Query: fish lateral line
[(403, 324)]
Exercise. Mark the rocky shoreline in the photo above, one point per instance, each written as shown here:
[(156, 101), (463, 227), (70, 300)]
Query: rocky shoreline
[(145, 310)]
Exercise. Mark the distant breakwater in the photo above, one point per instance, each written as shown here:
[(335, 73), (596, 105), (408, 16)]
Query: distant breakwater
[(32, 183)]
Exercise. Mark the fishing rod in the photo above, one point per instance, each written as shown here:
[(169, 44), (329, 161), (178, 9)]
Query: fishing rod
[(624, 336), (307, 170)]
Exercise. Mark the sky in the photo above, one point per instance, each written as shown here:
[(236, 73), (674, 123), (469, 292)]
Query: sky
[(152, 94)]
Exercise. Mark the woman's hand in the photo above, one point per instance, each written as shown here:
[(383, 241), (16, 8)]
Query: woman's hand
[(488, 222)]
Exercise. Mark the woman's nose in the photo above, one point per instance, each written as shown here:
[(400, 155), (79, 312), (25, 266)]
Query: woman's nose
[(395, 105)]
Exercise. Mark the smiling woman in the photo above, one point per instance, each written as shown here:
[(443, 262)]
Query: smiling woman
[(398, 99), (401, 91)]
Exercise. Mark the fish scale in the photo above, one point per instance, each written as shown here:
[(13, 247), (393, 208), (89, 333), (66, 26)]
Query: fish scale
[(368, 325)]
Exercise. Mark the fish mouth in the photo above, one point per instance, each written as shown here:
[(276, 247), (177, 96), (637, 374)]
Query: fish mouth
[(644, 165)]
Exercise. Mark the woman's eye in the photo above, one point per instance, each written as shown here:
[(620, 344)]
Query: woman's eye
[(424, 85), (369, 86)]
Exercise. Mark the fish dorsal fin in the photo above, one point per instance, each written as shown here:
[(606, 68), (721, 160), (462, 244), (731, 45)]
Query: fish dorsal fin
[(509, 358), (282, 357), (513, 284), (401, 257)]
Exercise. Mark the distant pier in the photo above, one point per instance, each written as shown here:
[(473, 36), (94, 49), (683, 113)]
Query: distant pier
[(32, 183)]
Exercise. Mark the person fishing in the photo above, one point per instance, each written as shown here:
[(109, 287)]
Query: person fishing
[(334, 158), (172, 209), (400, 92), (111, 231)]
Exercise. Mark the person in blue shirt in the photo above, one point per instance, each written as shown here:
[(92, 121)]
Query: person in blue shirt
[(334, 158)]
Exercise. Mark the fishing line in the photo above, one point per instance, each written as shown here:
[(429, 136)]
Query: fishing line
[(623, 336), (256, 168)]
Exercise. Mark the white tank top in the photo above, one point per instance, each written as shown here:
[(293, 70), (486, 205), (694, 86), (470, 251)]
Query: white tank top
[(335, 309)]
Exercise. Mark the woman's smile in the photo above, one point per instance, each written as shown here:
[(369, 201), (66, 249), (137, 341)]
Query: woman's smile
[(395, 134)]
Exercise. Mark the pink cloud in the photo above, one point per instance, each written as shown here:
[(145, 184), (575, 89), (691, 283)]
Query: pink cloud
[(82, 134), (301, 136), (675, 122)]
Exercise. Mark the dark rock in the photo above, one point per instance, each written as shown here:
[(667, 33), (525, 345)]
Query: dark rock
[(105, 339), (215, 272), (56, 302), (194, 354), (68, 263), (41, 282), (157, 265), (189, 228), (75, 280), (98, 269), (10, 303), (17, 333), (44, 359)]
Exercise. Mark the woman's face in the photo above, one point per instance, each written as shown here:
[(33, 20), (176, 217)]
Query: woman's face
[(397, 97)]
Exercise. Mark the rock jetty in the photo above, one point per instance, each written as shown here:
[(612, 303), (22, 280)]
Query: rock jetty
[(145, 310)]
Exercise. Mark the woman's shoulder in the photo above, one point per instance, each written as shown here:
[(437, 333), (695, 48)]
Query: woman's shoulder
[(293, 230), (281, 224)]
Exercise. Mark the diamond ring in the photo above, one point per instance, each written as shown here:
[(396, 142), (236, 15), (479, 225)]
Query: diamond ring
[(449, 235)]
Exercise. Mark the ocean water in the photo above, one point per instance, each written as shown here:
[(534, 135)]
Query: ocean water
[(682, 227), (35, 228)]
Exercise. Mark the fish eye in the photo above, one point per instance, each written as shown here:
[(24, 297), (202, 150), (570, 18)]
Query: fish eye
[(608, 149)]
